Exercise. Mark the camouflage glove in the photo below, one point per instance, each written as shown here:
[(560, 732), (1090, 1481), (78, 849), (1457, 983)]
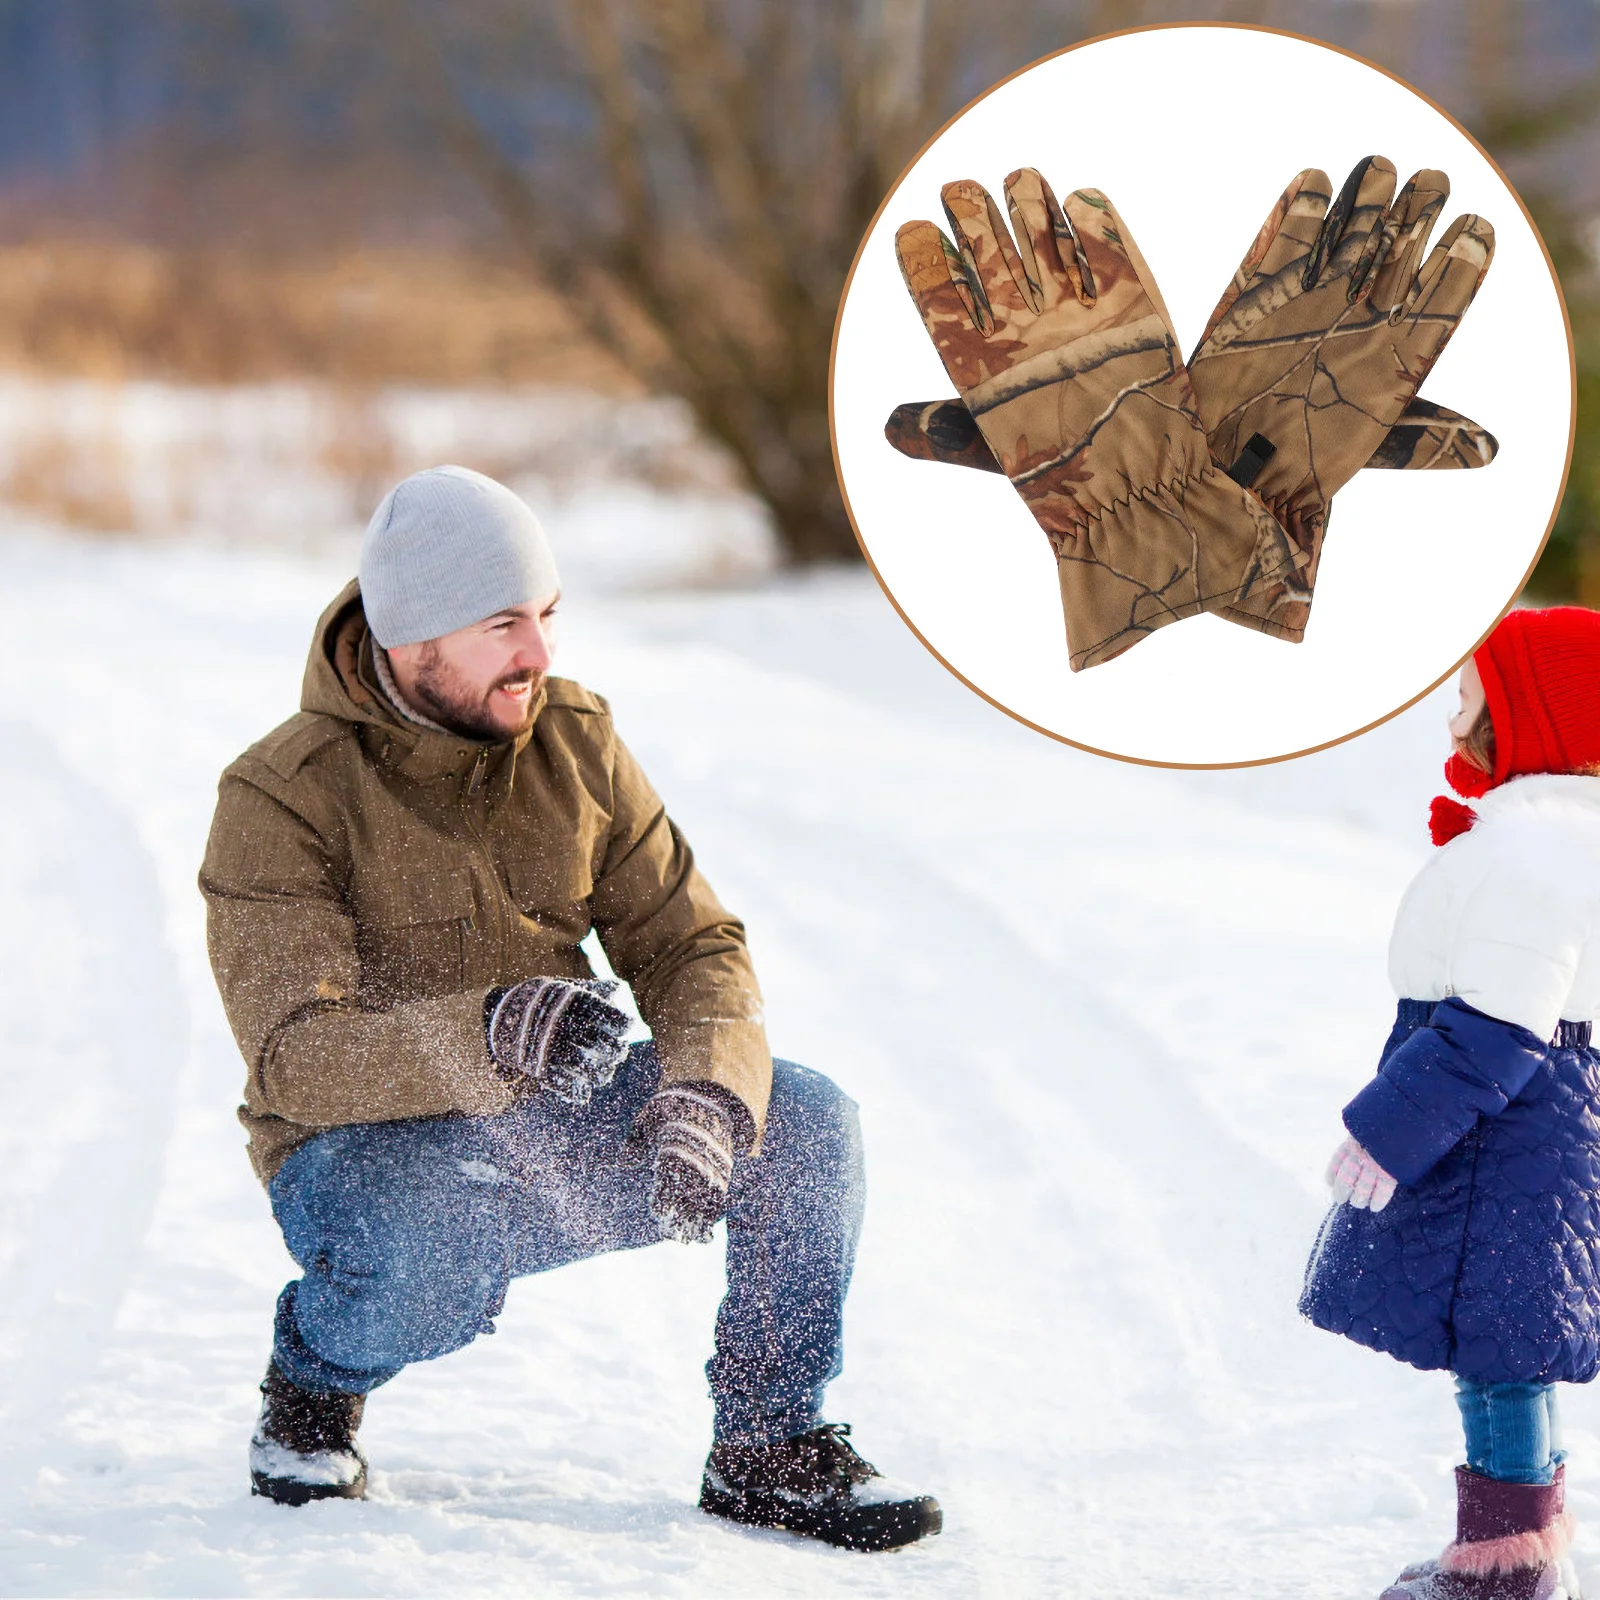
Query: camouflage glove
[(690, 1129), (560, 1034), (1321, 342), (1275, 328), (1065, 357)]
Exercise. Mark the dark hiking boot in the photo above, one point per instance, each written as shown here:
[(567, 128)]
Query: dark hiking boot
[(816, 1484), (1512, 1542), (304, 1446)]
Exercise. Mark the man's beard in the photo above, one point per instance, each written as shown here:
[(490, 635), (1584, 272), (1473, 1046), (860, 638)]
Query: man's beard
[(462, 709)]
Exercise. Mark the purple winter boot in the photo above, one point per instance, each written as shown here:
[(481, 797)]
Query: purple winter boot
[(1511, 1544)]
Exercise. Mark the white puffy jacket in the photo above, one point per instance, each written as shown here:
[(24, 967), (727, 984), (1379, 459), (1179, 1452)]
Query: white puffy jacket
[(1507, 916)]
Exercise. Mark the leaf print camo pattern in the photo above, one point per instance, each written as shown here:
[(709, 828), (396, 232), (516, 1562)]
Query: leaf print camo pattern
[(1060, 346), (1320, 344)]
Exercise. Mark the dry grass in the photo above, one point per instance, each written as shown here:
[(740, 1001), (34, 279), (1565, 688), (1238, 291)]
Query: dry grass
[(79, 483), (148, 391), (106, 309)]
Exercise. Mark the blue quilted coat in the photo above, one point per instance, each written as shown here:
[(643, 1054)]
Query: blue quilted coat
[(1487, 1260)]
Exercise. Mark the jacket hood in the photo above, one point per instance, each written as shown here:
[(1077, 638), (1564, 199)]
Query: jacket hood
[(340, 682), (333, 686)]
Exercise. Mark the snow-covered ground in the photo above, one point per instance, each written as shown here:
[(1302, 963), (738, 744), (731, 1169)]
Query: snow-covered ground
[(1100, 1019)]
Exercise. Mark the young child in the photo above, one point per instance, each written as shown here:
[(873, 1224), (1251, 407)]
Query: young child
[(1465, 1233)]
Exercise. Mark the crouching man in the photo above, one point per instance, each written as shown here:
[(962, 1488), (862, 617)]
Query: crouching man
[(439, 1096)]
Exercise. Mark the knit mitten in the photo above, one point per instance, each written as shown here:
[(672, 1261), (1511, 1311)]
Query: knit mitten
[(560, 1034), (1357, 1180), (691, 1129)]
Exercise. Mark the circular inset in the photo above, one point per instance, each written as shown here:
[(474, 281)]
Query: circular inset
[(1193, 132)]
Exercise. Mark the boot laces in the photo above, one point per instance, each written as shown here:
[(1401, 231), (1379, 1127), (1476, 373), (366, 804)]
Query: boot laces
[(837, 1462)]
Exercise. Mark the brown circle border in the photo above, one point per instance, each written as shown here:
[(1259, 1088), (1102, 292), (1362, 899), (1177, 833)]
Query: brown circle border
[(1050, 733)]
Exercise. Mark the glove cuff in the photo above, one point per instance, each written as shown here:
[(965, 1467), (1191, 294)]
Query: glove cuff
[(702, 1123), (1205, 543), (514, 1025)]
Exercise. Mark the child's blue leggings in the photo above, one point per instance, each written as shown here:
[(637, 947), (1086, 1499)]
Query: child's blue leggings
[(1512, 1430)]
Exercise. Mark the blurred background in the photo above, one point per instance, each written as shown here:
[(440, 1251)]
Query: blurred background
[(258, 257)]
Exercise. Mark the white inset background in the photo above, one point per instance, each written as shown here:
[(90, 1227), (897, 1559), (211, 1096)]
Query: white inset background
[(1194, 132)]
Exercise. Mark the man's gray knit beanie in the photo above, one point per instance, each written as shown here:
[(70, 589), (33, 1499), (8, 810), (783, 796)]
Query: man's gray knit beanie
[(446, 548)]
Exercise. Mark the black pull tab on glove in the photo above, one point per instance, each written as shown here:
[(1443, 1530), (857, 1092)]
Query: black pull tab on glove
[(562, 1034), (692, 1128)]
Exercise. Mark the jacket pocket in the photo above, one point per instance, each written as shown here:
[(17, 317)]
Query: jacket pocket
[(412, 934), (552, 893)]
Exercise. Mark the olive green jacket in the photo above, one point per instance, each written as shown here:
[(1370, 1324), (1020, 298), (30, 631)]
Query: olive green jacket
[(368, 881)]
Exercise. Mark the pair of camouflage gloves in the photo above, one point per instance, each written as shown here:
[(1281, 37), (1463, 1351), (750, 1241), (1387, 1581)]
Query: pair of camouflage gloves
[(564, 1037), (1165, 489)]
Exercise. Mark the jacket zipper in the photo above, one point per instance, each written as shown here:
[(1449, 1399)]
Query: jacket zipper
[(474, 780)]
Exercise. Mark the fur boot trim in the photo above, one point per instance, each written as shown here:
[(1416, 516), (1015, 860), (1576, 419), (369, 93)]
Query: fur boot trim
[(1538, 1547)]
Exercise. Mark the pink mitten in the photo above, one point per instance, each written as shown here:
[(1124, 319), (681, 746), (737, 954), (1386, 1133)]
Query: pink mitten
[(1357, 1179)]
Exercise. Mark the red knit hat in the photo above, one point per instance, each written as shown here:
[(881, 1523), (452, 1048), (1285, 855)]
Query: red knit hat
[(1541, 677)]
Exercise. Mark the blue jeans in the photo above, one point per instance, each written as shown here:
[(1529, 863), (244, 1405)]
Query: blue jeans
[(1512, 1430), (408, 1234)]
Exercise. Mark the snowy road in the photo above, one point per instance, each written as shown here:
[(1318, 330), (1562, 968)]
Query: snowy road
[(1100, 1020)]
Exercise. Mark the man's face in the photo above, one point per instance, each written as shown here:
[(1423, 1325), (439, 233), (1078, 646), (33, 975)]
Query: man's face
[(480, 681)]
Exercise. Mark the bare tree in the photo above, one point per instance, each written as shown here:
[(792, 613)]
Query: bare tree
[(736, 153)]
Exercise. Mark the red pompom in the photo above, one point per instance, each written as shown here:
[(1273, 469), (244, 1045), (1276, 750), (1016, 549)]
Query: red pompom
[(1468, 781), (1448, 819)]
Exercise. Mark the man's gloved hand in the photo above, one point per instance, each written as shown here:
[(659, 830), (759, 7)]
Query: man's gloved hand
[(562, 1034), (692, 1129), (1358, 1180)]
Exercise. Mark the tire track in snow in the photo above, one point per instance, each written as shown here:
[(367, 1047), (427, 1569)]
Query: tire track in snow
[(93, 1031)]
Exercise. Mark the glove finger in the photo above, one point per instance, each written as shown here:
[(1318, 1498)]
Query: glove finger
[(1109, 250), (1352, 233), (986, 246), (684, 1204), (1338, 1161), (1361, 1190), (568, 1086), (1407, 228), (1383, 1191), (1450, 277), (1045, 243), (1429, 437), (1291, 230), (936, 277), (1286, 238), (939, 430)]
